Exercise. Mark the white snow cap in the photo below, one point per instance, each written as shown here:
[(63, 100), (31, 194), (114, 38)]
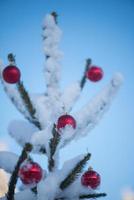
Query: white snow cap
[(8, 161), (21, 131)]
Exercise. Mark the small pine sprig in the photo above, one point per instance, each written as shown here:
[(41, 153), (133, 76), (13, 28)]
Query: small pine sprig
[(74, 173), (55, 15), (83, 80), (28, 104), (25, 97), (14, 177), (54, 141), (92, 196)]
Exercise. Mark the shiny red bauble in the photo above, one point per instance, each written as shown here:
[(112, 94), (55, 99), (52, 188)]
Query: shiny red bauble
[(30, 173), (91, 179), (11, 74), (66, 120), (94, 73)]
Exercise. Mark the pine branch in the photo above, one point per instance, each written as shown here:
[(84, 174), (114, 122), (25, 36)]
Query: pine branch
[(14, 176), (11, 58), (55, 15), (27, 101), (53, 145), (74, 173), (83, 80), (95, 195)]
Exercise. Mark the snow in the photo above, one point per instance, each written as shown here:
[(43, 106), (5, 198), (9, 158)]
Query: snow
[(49, 188), (89, 116), (41, 138), (70, 96), (52, 35), (21, 131), (8, 161), (24, 195)]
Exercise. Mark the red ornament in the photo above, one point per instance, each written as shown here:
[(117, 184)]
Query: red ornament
[(91, 179), (66, 120), (94, 73), (11, 74), (30, 173)]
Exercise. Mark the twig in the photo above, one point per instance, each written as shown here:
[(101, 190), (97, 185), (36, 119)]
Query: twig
[(28, 104), (14, 176), (95, 195), (83, 80), (53, 145), (75, 172)]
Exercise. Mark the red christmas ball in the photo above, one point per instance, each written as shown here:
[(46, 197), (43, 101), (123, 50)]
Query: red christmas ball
[(11, 74), (30, 173), (91, 179), (66, 120), (94, 73)]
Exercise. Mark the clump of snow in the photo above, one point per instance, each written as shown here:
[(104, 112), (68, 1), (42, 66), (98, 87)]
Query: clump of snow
[(8, 161), (70, 96), (21, 131), (42, 138), (117, 79), (49, 188)]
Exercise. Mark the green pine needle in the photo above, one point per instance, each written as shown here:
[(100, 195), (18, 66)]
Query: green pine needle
[(53, 145), (75, 172), (27, 101), (95, 195)]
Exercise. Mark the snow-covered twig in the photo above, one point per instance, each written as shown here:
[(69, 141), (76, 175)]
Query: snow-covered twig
[(28, 104), (74, 172), (52, 35), (54, 141), (14, 176), (89, 116)]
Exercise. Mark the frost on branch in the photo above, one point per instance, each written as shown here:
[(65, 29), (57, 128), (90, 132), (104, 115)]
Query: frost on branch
[(89, 116), (52, 35), (8, 161)]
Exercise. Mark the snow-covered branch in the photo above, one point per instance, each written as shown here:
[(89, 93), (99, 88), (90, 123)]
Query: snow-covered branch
[(89, 116), (52, 35)]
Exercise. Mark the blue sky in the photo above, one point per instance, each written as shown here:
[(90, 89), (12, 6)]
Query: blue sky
[(100, 29)]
